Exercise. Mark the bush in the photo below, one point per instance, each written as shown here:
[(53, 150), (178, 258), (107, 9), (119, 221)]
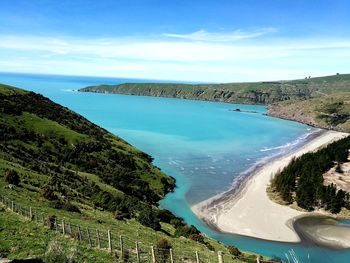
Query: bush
[(197, 237), (56, 254), (339, 169), (148, 217), (163, 247), (48, 193), (51, 221), (12, 177), (186, 231), (177, 222), (166, 216), (234, 251)]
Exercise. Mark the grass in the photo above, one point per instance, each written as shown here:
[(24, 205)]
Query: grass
[(22, 239), (37, 137), (27, 196), (330, 111), (9, 90), (49, 128), (249, 92)]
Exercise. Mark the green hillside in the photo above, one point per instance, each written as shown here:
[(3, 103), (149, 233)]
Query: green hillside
[(295, 99), (253, 92), (330, 111), (64, 167)]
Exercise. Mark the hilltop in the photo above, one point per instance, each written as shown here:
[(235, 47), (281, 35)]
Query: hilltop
[(280, 96), (64, 167)]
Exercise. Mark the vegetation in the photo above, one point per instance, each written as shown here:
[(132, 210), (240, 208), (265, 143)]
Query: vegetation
[(329, 111), (295, 99), (67, 167), (59, 145), (12, 177), (302, 179)]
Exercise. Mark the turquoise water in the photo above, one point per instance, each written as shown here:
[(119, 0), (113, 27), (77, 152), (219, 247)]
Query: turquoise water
[(204, 145)]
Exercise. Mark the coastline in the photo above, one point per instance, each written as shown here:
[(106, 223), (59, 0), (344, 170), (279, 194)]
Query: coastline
[(249, 211)]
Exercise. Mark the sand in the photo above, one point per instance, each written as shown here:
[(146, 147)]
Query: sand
[(251, 212)]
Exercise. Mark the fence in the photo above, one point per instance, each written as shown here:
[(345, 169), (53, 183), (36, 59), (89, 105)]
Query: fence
[(125, 249)]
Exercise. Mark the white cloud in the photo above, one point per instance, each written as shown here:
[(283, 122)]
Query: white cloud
[(203, 35), (175, 60)]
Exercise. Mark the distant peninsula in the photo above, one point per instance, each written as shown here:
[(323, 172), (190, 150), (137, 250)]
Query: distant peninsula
[(321, 102)]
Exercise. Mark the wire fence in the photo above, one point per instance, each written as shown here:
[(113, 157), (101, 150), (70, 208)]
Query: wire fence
[(124, 248)]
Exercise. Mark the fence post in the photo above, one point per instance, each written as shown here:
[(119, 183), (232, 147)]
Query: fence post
[(221, 259), (138, 252), (79, 233), (12, 206), (109, 241), (70, 229), (89, 237), (121, 246), (56, 225), (171, 256), (153, 255), (30, 213), (257, 259), (63, 227), (197, 257), (98, 238)]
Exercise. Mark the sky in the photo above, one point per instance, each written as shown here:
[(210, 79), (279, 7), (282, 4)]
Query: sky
[(206, 41)]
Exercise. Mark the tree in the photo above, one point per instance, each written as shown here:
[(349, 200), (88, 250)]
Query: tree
[(12, 177)]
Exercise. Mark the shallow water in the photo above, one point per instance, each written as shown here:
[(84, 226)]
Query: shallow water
[(203, 145)]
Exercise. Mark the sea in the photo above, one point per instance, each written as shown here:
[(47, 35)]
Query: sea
[(208, 147)]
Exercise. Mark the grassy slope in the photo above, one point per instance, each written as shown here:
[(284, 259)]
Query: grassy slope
[(330, 111), (253, 92), (274, 93), (34, 177)]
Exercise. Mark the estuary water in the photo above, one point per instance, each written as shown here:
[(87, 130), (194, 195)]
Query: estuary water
[(205, 146)]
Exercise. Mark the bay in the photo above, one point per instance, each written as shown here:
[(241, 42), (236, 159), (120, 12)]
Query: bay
[(205, 146)]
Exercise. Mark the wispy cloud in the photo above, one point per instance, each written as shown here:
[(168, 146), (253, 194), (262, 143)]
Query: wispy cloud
[(169, 59), (203, 35)]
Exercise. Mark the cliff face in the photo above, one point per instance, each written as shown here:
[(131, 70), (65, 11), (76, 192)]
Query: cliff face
[(256, 93)]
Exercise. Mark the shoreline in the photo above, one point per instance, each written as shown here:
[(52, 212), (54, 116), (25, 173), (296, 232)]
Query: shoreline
[(248, 211)]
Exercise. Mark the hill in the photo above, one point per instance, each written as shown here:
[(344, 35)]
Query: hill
[(62, 166), (304, 92), (329, 111)]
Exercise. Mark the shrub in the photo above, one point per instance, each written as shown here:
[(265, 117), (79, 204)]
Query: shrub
[(166, 216), (177, 222), (48, 193), (339, 169), (234, 251), (186, 231), (197, 237), (12, 177), (163, 247), (51, 221), (56, 254), (148, 217)]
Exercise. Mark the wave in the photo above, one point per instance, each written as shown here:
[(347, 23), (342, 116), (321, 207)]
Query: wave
[(283, 149), (296, 142)]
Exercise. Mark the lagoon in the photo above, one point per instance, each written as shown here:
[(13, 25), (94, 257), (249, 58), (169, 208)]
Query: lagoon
[(205, 146)]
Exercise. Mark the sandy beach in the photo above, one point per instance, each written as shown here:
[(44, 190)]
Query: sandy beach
[(250, 212)]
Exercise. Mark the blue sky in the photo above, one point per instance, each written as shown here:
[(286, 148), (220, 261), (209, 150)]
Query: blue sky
[(216, 41)]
